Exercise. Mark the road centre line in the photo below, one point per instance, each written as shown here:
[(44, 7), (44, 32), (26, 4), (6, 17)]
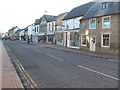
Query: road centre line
[(54, 57), (36, 50), (99, 72), (113, 60), (49, 55)]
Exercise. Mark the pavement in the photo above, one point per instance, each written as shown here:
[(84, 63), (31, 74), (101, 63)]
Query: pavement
[(83, 52), (8, 75)]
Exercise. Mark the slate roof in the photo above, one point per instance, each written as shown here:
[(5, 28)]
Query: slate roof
[(79, 11), (26, 29), (13, 28), (49, 18), (96, 10), (37, 22)]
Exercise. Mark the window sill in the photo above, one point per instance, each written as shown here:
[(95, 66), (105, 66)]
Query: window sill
[(105, 46)]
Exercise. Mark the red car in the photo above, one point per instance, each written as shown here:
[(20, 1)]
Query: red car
[(12, 38)]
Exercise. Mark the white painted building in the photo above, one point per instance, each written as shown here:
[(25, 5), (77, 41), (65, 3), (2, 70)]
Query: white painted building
[(71, 32), (32, 33), (21, 34), (50, 32), (72, 25)]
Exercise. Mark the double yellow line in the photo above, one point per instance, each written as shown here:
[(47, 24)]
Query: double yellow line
[(29, 83), (29, 80)]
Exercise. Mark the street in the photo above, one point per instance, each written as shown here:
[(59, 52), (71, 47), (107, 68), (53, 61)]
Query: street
[(52, 68)]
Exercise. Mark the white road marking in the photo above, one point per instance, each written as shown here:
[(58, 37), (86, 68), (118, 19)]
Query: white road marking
[(36, 50), (112, 60), (98, 72), (55, 57)]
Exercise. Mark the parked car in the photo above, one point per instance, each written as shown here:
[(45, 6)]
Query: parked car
[(12, 38)]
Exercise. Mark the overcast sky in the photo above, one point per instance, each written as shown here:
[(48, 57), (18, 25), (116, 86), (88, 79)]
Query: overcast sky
[(22, 13)]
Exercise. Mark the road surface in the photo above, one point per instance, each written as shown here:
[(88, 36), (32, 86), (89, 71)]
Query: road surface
[(52, 68)]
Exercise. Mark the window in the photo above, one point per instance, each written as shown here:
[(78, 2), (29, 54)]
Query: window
[(35, 29), (52, 26), (92, 24), (84, 40), (76, 23), (105, 40), (63, 25), (67, 26), (106, 22), (104, 5), (70, 24), (74, 39), (59, 28)]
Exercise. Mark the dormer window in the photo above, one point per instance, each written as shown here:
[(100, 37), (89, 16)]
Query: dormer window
[(104, 5)]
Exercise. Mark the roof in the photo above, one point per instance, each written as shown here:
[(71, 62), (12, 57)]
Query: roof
[(13, 28), (26, 29), (79, 11), (37, 21), (61, 14), (96, 10), (49, 18)]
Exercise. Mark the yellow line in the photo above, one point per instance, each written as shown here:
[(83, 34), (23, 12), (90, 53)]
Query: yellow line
[(26, 74)]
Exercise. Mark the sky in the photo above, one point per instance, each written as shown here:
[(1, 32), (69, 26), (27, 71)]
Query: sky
[(22, 13)]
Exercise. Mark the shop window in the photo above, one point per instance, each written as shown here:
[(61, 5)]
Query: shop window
[(105, 40), (84, 40), (74, 39), (60, 38), (92, 24), (106, 22)]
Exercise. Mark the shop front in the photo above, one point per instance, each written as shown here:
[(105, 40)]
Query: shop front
[(41, 37), (50, 37), (59, 38), (72, 39)]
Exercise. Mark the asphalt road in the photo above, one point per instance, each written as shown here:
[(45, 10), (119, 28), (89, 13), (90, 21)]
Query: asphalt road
[(52, 68)]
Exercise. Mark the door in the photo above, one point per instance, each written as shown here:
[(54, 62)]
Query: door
[(92, 43)]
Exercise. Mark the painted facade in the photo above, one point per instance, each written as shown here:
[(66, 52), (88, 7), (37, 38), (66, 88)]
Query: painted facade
[(50, 32), (59, 34), (42, 31), (22, 34), (12, 32), (71, 32), (71, 25), (32, 33), (47, 29)]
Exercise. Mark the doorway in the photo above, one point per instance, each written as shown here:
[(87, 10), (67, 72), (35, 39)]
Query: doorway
[(92, 43)]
